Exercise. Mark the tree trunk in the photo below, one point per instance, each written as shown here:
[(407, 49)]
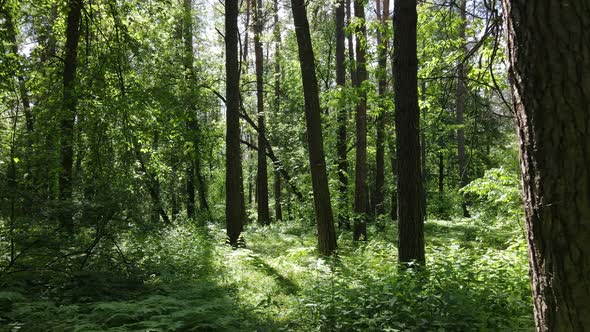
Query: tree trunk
[(234, 210), (277, 104), (360, 171), (548, 47), (423, 151), (68, 115), (341, 143), (383, 18), (407, 128), (350, 44), (317, 161), (461, 95), (262, 170)]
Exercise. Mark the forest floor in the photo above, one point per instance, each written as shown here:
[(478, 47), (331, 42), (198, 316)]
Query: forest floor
[(188, 280)]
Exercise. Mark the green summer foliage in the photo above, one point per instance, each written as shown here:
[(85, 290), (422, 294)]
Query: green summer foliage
[(190, 281), (147, 126)]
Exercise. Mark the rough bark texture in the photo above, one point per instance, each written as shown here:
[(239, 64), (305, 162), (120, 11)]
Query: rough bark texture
[(68, 115), (360, 170), (461, 95), (317, 161), (549, 55), (383, 18), (234, 200), (407, 128), (341, 143), (262, 170)]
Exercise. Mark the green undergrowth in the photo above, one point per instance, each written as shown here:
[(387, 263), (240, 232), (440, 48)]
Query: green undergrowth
[(476, 279)]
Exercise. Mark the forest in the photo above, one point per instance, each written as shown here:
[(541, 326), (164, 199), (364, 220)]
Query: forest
[(274, 165)]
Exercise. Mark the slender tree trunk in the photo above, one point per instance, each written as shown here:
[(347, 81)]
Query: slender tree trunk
[(407, 128), (393, 161), (361, 189), (350, 44), (262, 170), (317, 161), (461, 96), (277, 104), (341, 143), (383, 18), (187, 37), (423, 150), (234, 210), (548, 48), (68, 116)]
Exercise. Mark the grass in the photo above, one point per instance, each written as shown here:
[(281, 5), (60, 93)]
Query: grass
[(188, 280)]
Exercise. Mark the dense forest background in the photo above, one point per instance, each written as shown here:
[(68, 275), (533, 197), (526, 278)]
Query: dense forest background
[(120, 127)]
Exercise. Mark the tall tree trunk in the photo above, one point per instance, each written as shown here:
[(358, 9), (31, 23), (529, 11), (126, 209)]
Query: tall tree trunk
[(383, 18), (187, 37), (423, 151), (350, 44), (68, 116), (393, 161), (341, 143), (407, 128), (234, 200), (360, 171), (461, 95), (317, 161), (277, 104), (262, 170), (548, 48)]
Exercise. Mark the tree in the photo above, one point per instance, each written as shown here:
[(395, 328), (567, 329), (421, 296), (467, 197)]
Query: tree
[(262, 170), (549, 79), (383, 18), (360, 171), (407, 129), (461, 95), (277, 104), (341, 143), (233, 162), (68, 116), (317, 161)]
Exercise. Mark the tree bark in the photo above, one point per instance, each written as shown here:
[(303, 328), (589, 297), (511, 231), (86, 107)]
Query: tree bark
[(317, 160), (341, 143), (234, 210), (407, 127), (68, 115), (382, 46), (361, 189), (549, 67), (262, 170), (461, 94)]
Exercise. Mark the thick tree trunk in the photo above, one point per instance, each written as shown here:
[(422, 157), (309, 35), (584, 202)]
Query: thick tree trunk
[(360, 171), (548, 48), (407, 128), (317, 160), (68, 115), (262, 170), (341, 143), (234, 200), (382, 45), (460, 97)]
